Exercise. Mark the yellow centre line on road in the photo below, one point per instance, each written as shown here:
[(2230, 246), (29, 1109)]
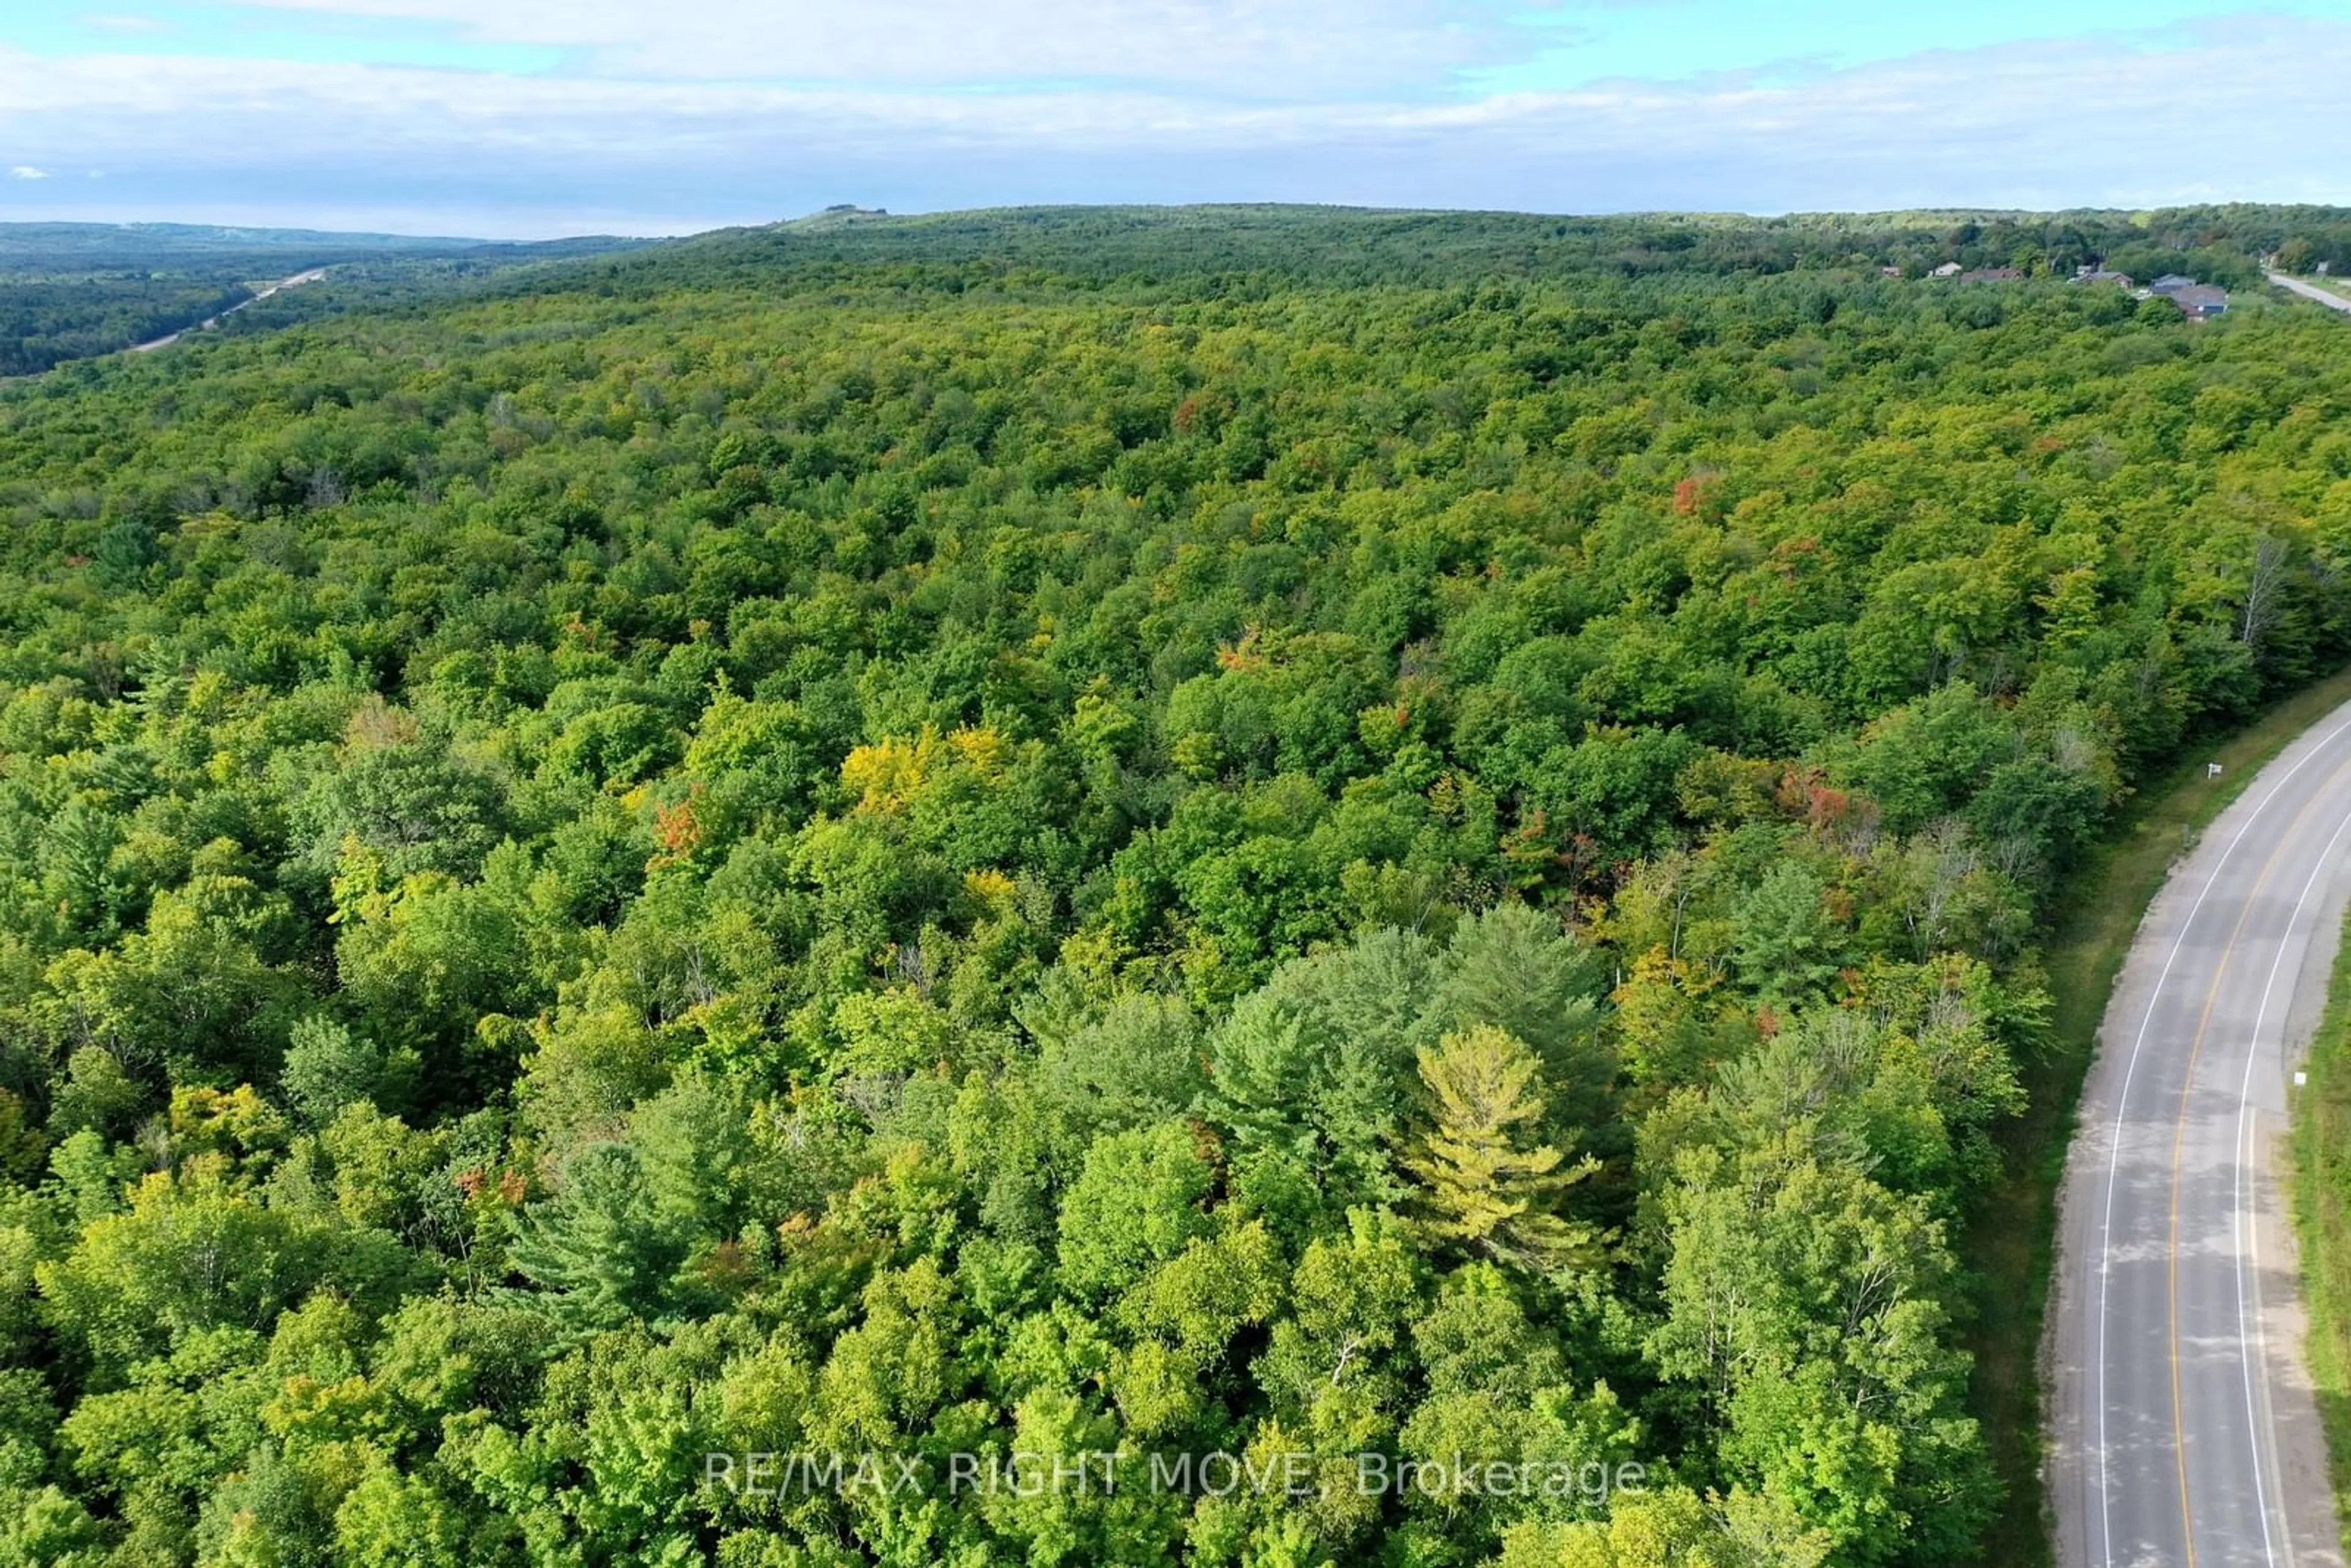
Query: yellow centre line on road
[(2179, 1139)]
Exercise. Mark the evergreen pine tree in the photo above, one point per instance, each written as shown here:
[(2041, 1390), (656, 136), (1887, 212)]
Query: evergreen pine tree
[(1482, 1191)]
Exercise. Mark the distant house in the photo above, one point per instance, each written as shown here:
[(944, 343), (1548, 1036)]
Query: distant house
[(1949, 270), (1889, 272), (2199, 301), (2171, 283), (2118, 279), (1992, 275)]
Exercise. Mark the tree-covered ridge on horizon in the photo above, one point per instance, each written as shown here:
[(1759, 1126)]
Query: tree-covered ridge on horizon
[(766, 848)]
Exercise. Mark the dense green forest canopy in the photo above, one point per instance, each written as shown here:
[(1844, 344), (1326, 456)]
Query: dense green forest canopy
[(128, 244), (1333, 245), (1274, 835), (69, 291), (48, 319)]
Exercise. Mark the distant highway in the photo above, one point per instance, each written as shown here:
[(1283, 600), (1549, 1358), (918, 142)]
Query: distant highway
[(314, 275), (2184, 1432), (2332, 300)]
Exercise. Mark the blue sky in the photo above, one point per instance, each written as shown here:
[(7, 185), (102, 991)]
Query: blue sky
[(537, 117)]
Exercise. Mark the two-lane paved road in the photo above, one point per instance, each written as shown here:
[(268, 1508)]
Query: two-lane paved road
[(314, 275), (2183, 1429), (2311, 291)]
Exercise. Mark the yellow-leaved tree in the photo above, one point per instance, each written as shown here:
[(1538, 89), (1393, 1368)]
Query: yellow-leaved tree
[(1483, 1191)]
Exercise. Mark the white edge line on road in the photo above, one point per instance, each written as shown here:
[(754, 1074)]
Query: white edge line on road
[(2249, 1235), (2122, 1104)]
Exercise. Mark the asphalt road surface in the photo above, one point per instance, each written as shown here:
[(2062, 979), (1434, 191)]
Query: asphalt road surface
[(2310, 291), (2183, 1429), (209, 322)]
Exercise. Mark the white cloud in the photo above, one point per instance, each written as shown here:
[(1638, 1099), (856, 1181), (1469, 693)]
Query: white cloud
[(2027, 124), (27, 172)]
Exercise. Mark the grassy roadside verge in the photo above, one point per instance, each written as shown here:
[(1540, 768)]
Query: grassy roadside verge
[(2331, 285), (2010, 1231), (2318, 1182)]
